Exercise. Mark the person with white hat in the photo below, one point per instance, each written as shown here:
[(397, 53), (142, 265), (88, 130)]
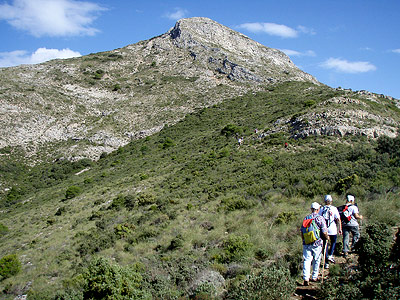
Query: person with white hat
[(332, 219), (349, 218), (312, 229)]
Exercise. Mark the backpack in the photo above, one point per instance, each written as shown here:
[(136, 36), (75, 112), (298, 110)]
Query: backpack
[(326, 214), (345, 215), (310, 230)]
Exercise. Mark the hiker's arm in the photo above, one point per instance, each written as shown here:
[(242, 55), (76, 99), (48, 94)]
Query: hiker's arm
[(326, 236), (339, 225), (358, 216)]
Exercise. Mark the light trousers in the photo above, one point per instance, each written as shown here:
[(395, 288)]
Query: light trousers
[(311, 257)]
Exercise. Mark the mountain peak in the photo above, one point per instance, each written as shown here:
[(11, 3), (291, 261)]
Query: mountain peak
[(201, 35)]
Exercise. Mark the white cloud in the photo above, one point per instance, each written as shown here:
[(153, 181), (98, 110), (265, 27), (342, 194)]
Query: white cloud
[(271, 29), (14, 58), (306, 30), (341, 65), (51, 17), (396, 51), (297, 53), (179, 13)]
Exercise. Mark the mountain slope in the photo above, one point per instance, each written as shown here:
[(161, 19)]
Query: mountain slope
[(189, 201), (97, 103)]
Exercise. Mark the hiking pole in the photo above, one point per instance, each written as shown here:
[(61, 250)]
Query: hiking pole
[(323, 261)]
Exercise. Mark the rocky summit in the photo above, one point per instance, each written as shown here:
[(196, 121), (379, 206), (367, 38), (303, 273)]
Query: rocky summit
[(82, 107)]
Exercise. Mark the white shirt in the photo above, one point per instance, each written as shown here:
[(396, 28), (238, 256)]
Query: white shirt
[(333, 215), (353, 210)]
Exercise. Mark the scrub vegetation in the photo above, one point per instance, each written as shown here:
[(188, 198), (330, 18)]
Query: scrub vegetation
[(148, 220)]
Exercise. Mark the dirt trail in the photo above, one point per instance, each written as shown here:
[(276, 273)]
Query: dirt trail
[(311, 292)]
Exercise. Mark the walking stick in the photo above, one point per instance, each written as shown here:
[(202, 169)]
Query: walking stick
[(323, 261)]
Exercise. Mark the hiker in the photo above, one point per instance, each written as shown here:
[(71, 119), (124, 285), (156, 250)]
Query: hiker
[(240, 141), (312, 229), (350, 224), (331, 215)]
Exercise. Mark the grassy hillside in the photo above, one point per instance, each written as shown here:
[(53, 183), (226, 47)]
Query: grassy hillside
[(189, 200)]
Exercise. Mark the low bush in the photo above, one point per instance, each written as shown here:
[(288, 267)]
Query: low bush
[(72, 192), (272, 282), (9, 266), (235, 247), (103, 280)]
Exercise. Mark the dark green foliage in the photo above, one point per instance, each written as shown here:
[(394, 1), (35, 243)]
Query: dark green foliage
[(145, 198), (231, 129), (72, 192), (235, 247), (345, 184), (9, 266), (378, 277), (374, 249), (309, 103), (176, 243), (118, 202), (167, 143), (13, 195), (285, 217), (98, 74), (389, 145), (332, 289), (234, 202), (116, 87), (272, 282), (104, 280)]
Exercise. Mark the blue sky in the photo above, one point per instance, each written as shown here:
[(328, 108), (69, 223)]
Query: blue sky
[(348, 43)]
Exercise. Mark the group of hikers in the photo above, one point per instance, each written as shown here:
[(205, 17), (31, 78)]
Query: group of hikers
[(321, 228)]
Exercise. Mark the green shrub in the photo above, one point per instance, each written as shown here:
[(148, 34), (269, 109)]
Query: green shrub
[(374, 249), (346, 183), (233, 202), (231, 129), (176, 243), (309, 103), (72, 192), (235, 247), (167, 143), (104, 280), (98, 74), (332, 289), (118, 202), (9, 266), (273, 282), (285, 217), (146, 199), (205, 291)]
